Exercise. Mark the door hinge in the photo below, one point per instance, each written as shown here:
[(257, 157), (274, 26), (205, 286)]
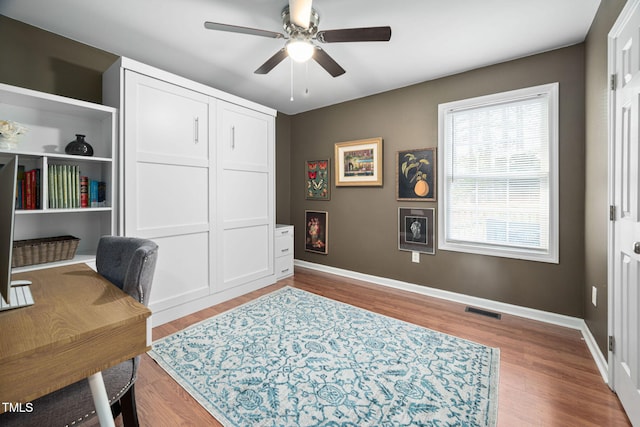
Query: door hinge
[(613, 81), (612, 344), (612, 213)]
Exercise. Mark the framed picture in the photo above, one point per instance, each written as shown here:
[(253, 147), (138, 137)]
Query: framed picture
[(416, 230), (316, 231), (359, 163), (317, 175), (416, 174)]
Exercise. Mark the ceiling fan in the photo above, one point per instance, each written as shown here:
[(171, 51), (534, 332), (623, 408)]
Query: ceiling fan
[(300, 22)]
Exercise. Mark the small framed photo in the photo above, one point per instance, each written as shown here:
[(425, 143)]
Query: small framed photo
[(416, 175), (316, 231), (416, 230), (317, 176), (359, 163)]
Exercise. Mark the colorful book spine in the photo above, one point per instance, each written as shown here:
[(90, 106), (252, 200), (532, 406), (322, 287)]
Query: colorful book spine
[(84, 192), (93, 193)]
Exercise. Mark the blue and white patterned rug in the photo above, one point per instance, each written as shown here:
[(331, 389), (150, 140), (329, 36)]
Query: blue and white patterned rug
[(293, 358)]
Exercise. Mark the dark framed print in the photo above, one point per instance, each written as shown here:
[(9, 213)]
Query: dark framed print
[(359, 163), (317, 176), (416, 175), (416, 230), (316, 231)]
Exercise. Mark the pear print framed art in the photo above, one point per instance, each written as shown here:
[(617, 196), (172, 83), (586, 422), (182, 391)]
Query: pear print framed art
[(416, 175), (318, 186)]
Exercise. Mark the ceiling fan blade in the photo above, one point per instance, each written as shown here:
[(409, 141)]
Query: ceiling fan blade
[(277, 58), (300, 12), (370, 34), (327, 62), (242, 30)]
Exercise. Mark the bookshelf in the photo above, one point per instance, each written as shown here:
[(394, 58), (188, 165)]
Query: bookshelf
[(52, 122)]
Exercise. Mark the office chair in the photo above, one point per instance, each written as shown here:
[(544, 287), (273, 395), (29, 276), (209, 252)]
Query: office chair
[(129, 263)]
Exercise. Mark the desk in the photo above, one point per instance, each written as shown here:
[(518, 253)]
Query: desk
[(80, 325)]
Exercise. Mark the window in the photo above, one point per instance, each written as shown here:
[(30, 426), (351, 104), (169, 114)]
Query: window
[(498, 170)]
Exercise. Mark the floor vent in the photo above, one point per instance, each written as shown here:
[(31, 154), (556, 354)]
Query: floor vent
[(483, 312)]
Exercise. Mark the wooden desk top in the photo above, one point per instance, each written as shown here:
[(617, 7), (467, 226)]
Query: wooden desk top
[(80, 324)]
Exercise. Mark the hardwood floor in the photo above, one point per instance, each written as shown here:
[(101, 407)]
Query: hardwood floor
[(547, 375)]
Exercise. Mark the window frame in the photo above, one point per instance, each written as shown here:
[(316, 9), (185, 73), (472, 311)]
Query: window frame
[(551, 255)]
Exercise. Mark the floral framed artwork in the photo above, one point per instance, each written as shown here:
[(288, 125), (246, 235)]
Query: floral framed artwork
[(359, 163), (416, 175), (317, 176), (316, 231), (416, 230)]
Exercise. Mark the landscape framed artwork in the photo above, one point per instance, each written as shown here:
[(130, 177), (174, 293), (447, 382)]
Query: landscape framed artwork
[(416, 230), (359, 163), (317, 177), (416, 175), (316, 231)]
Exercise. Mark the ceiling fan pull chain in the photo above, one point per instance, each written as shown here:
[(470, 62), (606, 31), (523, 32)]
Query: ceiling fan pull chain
[(291, 62), (306, 78)]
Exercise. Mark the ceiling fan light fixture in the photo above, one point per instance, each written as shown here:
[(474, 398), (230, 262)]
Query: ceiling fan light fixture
[(300, 50)]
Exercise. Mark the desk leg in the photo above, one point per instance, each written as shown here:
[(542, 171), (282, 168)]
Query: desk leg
[(101, 400)]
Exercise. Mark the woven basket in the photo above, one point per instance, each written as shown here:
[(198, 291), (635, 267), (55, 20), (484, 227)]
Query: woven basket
[(39, 251)]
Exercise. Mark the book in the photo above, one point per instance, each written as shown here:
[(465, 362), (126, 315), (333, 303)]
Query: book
[(102, 193), (20, 188), (38, 189), (93, 193), (84, 192), (28, 186)]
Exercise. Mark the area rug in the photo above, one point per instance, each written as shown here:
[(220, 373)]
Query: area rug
[(293, 358)]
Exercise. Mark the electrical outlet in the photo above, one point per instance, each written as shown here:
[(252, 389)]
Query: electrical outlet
[(594, 296), (415, 256)]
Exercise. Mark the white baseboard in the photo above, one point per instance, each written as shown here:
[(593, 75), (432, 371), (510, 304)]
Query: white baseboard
[(515, 310), (598, 357)]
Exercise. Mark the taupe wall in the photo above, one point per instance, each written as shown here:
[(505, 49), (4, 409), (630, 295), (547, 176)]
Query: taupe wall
[(596, 206), (44, 61), (363, 221), (283, 169)]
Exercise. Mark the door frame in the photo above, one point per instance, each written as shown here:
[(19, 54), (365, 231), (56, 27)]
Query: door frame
[(617, 27)]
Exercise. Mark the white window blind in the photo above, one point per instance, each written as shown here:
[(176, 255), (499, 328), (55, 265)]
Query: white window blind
[(499, 174)]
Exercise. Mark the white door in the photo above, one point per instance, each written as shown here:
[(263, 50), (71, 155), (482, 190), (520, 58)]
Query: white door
[(624, 363)]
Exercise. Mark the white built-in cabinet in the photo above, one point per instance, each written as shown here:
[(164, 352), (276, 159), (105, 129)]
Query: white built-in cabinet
[(198, 178), (52, 122), (284, 251)]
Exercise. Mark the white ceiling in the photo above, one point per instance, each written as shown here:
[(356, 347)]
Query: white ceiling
[(430, 39)]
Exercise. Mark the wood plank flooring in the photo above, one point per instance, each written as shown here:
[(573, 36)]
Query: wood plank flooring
[(547, 375)]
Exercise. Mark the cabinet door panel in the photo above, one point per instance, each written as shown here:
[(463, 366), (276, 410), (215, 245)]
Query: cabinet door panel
[(171, 120), (182, 270), (250, 200), (245, 138), (171, 196), (246, 255)]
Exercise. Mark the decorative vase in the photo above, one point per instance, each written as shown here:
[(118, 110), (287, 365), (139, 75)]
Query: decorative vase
[(79, 147)]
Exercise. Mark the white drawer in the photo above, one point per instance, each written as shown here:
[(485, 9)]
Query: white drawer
[(284, 230), (284, 245), (284, 267)]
